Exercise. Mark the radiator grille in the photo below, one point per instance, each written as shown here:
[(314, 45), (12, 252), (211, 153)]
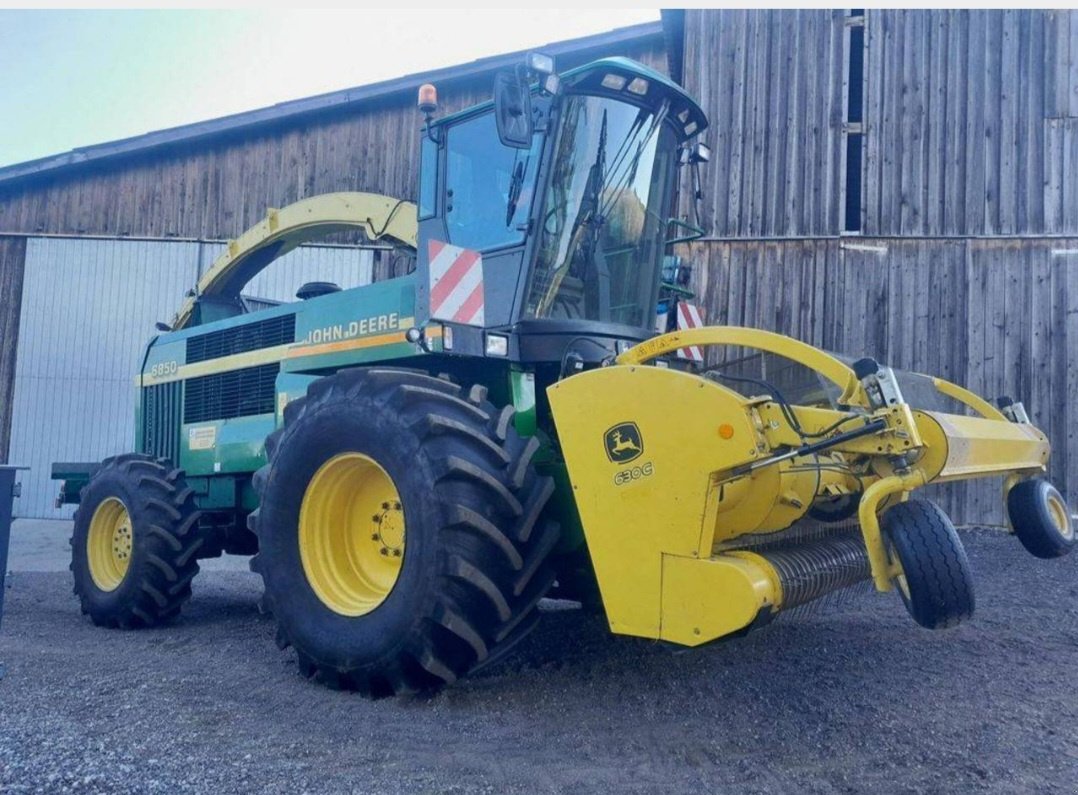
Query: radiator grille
[(161, 420), (263, 334), (237, 393)]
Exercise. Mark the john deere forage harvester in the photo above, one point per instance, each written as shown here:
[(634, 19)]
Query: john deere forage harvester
[(416, 463)]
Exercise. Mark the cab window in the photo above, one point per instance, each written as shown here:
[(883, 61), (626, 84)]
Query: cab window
[(489, 187), (428, 177)]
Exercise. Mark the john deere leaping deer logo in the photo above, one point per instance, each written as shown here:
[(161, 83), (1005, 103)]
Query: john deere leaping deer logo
[(623, 443)]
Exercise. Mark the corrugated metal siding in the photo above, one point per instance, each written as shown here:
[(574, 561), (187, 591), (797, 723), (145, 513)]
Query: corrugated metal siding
[(771, 83), (88, 309), (1000, 317), (970, 120)]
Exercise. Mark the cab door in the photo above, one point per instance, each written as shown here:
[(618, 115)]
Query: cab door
[(475, 202)]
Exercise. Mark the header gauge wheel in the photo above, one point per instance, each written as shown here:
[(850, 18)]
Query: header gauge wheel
[(1041, 518), (934, 578), (400, 535)]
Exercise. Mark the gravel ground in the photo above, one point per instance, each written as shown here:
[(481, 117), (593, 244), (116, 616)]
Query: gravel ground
[(847, 697)]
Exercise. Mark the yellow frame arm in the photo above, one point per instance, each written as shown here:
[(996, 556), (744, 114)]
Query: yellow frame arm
[(834, 370), (973, 401), (379, 217)]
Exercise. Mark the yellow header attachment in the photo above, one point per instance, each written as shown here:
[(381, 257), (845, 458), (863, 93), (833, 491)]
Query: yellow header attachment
[(675, 475)]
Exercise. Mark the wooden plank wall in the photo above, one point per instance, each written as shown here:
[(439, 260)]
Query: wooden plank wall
[(971, 122), (12, 254), (772, 85), (220, 187), (998, 316), (967, 265)]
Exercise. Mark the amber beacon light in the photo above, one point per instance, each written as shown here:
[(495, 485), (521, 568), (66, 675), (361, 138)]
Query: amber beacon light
[(428, 99)]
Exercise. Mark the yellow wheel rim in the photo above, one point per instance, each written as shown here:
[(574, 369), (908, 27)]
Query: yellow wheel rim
[(1060, 517), (109, 544), (351, 534)]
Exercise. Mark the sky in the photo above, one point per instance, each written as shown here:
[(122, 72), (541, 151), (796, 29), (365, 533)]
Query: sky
[(75, 78)]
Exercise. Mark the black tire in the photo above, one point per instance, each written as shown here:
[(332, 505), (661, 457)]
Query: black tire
[(936, 585), (838, 509), (165, 538), (476, 559), (1041, 518)]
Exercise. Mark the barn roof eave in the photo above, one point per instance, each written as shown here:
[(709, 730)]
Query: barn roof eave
[(311, 105)]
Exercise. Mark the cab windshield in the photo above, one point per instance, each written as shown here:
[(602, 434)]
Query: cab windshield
[(603, 226)]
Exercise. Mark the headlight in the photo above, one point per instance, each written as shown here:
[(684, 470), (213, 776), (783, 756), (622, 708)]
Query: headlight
[(497, 345)]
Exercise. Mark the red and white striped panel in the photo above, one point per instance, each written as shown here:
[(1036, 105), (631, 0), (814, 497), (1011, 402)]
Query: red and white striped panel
[(688, 316), (456, 283)]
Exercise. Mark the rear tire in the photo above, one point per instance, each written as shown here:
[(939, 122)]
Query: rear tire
[(1040, 518), (475, 554), (134, 543), (936, 584)]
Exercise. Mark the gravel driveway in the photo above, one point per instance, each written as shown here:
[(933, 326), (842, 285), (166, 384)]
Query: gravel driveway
[(848, 697)]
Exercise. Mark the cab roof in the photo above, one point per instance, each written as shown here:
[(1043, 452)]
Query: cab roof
[(634, 83), (626, 79)]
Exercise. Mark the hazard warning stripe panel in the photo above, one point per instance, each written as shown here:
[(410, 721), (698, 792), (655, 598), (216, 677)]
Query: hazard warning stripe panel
[(689, 316), (456, 283)]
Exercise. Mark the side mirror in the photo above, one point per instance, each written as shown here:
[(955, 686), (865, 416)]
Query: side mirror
[(693, 156), (696, 154), (513, 109)]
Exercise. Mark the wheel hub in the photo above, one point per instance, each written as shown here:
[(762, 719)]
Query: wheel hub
[(389, 529), (121, 540), (1060, 516)]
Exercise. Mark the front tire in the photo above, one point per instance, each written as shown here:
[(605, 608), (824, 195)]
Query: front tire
[(134, 543), (935, 583), (455, 579)]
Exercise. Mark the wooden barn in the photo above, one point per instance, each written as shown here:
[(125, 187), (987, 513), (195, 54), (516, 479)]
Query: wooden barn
[(902, 184)]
